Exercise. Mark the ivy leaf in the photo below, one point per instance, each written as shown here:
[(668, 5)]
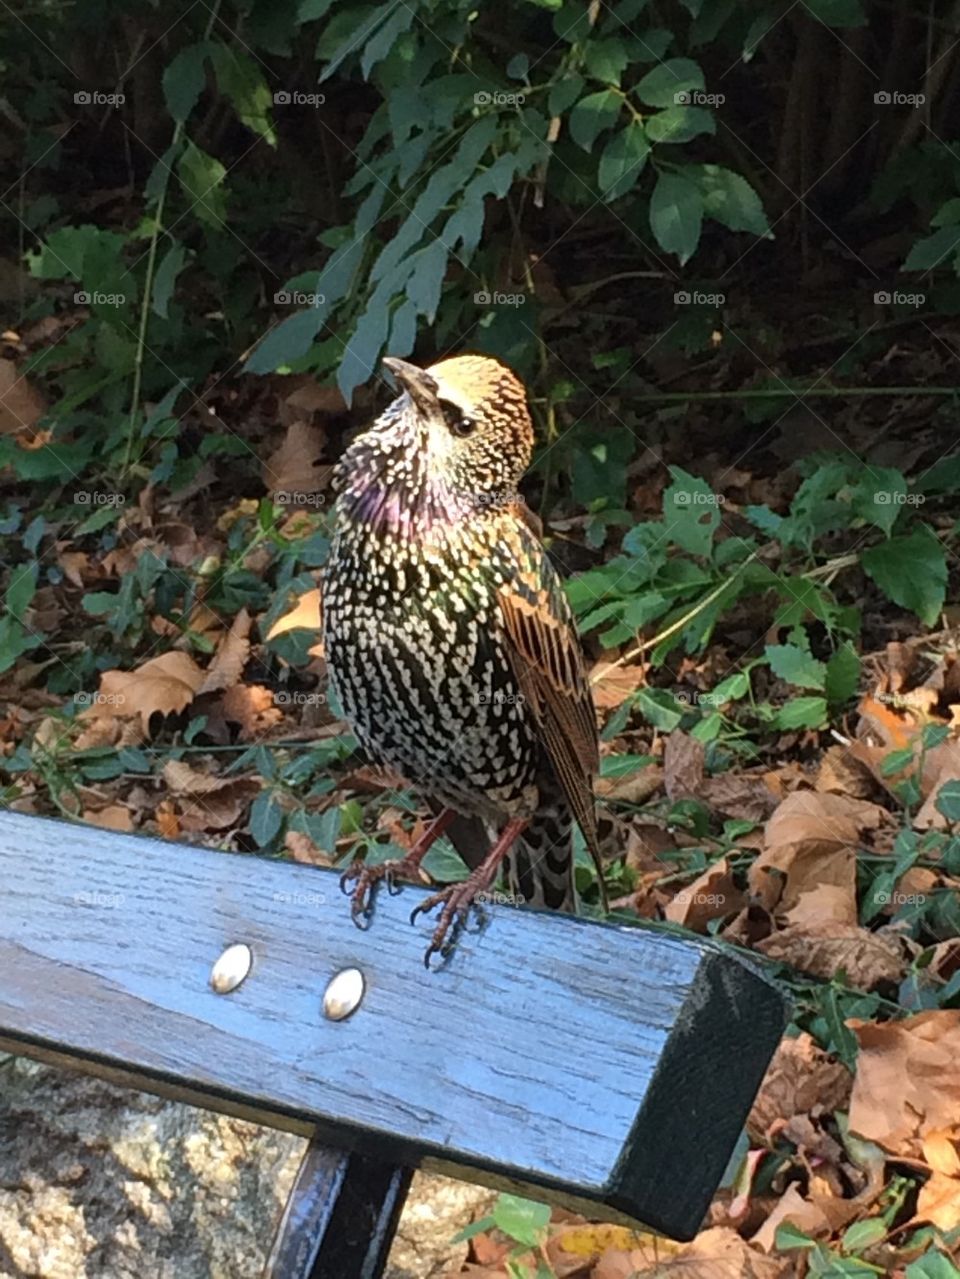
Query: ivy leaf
[(803, 712), (911, 570), (838, 13), (201, 176), (266, 818), (843, 674), (522, 1219), (171, 264), (730, 200), (593, 114), (660, 87), (690, 512), (241, 81), (184, 79), (676, 215), (680, 124), (934, 249), (623, 160), (605, 60), (791, 663), (879, 497), (947, 801)]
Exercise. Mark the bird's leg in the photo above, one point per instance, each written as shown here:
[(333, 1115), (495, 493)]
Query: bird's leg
[(367, 877), (458, 898)]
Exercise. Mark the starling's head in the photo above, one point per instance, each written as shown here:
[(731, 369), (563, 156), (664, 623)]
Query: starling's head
[(456, 440)]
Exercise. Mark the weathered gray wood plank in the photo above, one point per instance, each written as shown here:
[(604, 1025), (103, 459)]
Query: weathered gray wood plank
[(607, 1064)]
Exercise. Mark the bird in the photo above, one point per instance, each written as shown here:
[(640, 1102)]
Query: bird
[(452, 647)]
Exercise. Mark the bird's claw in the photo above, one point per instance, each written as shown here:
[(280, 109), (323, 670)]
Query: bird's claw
[(367, 878), (458, 900)]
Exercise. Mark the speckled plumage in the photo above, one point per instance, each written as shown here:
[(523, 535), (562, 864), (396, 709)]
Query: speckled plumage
[(447, 633)]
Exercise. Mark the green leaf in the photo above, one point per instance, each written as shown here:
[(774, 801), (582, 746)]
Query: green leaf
[(788, 1236), (593, 114), (843, 674), (690, 512), (803, 712), (22, 588), (837, 13), (862, 1234), (680, 124), (947, 801), (184, 80), (266, 818), (171, 264), (676, 214), (605, 60), (379, 45), (934, 249), (932, 1265), (911, 571), (426, 279), (564, 93), (201, 176), (730, 200), (241, 81), (661, 86), (791, 663), (623, 160), (880, 496), (522, 1219)]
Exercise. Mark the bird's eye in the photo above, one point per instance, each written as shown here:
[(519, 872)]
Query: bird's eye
[(456, 420)]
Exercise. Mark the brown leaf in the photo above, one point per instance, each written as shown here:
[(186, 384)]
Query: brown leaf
[(253, 707), (612, 685), (305, 613), (908, 1079), (113, 817), (712, 895), (682, 765), (842, 773), (719, 1253), (295, 468), (812, 840), (21, 404), (868, 959), (818, 1217), (631, 788), (222, 808), (164, 684), (738, 795), (801, 1078), (939, 1202), (230, 658)]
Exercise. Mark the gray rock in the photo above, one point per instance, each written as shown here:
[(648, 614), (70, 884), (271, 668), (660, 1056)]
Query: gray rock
[(98, 1182)]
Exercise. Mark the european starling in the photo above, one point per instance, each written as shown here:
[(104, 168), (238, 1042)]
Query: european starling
[(450, 641)]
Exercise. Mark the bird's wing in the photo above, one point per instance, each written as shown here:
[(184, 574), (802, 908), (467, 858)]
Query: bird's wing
[(544, 652)]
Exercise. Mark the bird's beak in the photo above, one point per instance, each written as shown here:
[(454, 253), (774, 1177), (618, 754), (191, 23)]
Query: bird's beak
[(417, 382)]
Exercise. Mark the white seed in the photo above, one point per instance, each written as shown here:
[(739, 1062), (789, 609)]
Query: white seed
[(231, 968), (343, 995)]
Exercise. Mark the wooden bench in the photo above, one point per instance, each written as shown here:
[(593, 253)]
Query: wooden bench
[(607, 1068)]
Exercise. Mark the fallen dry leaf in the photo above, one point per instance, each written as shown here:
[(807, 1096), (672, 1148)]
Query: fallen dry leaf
[(253, 707), (163, 685), (230, 658), (802, 1078), (908, 1079), (21, 404), (305, 613), (712, 895), (113, 817), (295, 469), (812, 840), (683, 758), (825, 949), (612, 685)]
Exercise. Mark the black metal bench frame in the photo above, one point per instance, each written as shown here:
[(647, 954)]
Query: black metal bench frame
[(607, 1068)]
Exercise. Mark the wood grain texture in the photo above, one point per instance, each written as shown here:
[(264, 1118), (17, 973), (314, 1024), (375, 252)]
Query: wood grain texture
[(606, 1064)]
